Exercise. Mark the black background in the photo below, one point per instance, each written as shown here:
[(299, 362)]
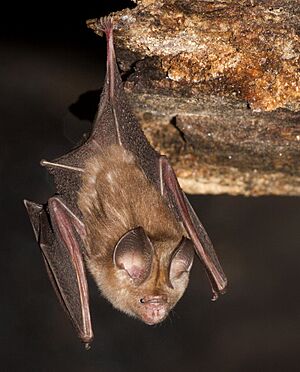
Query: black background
[(48, 59)]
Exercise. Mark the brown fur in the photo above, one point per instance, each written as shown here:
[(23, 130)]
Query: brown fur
[(116, 197)]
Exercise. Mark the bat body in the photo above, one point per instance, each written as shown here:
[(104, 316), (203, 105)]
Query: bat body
[(120, 210), (125, 200)]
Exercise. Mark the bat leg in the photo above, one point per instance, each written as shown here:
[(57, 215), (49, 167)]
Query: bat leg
[(64, 263), (197, 233)]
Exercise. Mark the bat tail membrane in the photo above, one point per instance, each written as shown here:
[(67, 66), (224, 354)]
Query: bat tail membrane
[(64, 263), (197, 233)]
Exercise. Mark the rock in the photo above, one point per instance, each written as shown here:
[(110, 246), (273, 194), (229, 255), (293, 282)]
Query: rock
[(216, 87)]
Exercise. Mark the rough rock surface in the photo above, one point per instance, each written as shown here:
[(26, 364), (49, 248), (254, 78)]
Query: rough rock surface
[(216, 86)]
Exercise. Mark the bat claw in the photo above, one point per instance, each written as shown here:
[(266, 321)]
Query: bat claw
[(105, 24), (87, 346), (215, 296)]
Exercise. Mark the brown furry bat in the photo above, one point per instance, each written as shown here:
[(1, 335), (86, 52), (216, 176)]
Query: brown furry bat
[(119, 205)]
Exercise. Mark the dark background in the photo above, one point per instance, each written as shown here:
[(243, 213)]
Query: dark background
[(48, 59)]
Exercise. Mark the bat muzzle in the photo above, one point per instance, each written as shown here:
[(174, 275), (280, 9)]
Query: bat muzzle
[(154, 309)]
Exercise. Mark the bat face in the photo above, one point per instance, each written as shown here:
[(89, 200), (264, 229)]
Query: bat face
[(151, 300), (143, 284), (137, 253)]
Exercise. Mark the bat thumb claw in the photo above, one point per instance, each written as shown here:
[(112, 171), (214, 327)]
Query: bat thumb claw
[(87, 346), (216, 293), (215, 296)]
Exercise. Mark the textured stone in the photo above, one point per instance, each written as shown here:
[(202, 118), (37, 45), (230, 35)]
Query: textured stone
[(216, 86)]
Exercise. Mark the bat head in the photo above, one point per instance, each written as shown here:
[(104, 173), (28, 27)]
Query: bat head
[(146, 279)]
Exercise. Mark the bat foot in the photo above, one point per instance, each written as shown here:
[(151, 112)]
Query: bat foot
[(105, 24)]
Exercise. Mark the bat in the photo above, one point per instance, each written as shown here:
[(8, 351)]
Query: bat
[(120, 211)]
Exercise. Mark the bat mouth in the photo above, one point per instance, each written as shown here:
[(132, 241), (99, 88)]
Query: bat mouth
[(152, 316), (154, 309)]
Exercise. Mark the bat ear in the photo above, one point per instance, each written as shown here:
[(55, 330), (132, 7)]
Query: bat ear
[(134, 253), (182, 259)]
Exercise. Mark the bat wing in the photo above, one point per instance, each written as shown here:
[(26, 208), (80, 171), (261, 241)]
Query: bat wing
[(185, 213), (63, 261)]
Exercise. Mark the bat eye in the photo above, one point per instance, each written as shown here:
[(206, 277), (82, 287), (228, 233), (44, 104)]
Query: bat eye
[(142, 301)]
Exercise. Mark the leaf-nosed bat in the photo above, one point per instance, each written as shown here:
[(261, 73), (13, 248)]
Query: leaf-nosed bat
[(120, 210)]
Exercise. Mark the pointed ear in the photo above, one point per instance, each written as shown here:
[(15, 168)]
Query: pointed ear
[(134, 253), (182, 259)]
